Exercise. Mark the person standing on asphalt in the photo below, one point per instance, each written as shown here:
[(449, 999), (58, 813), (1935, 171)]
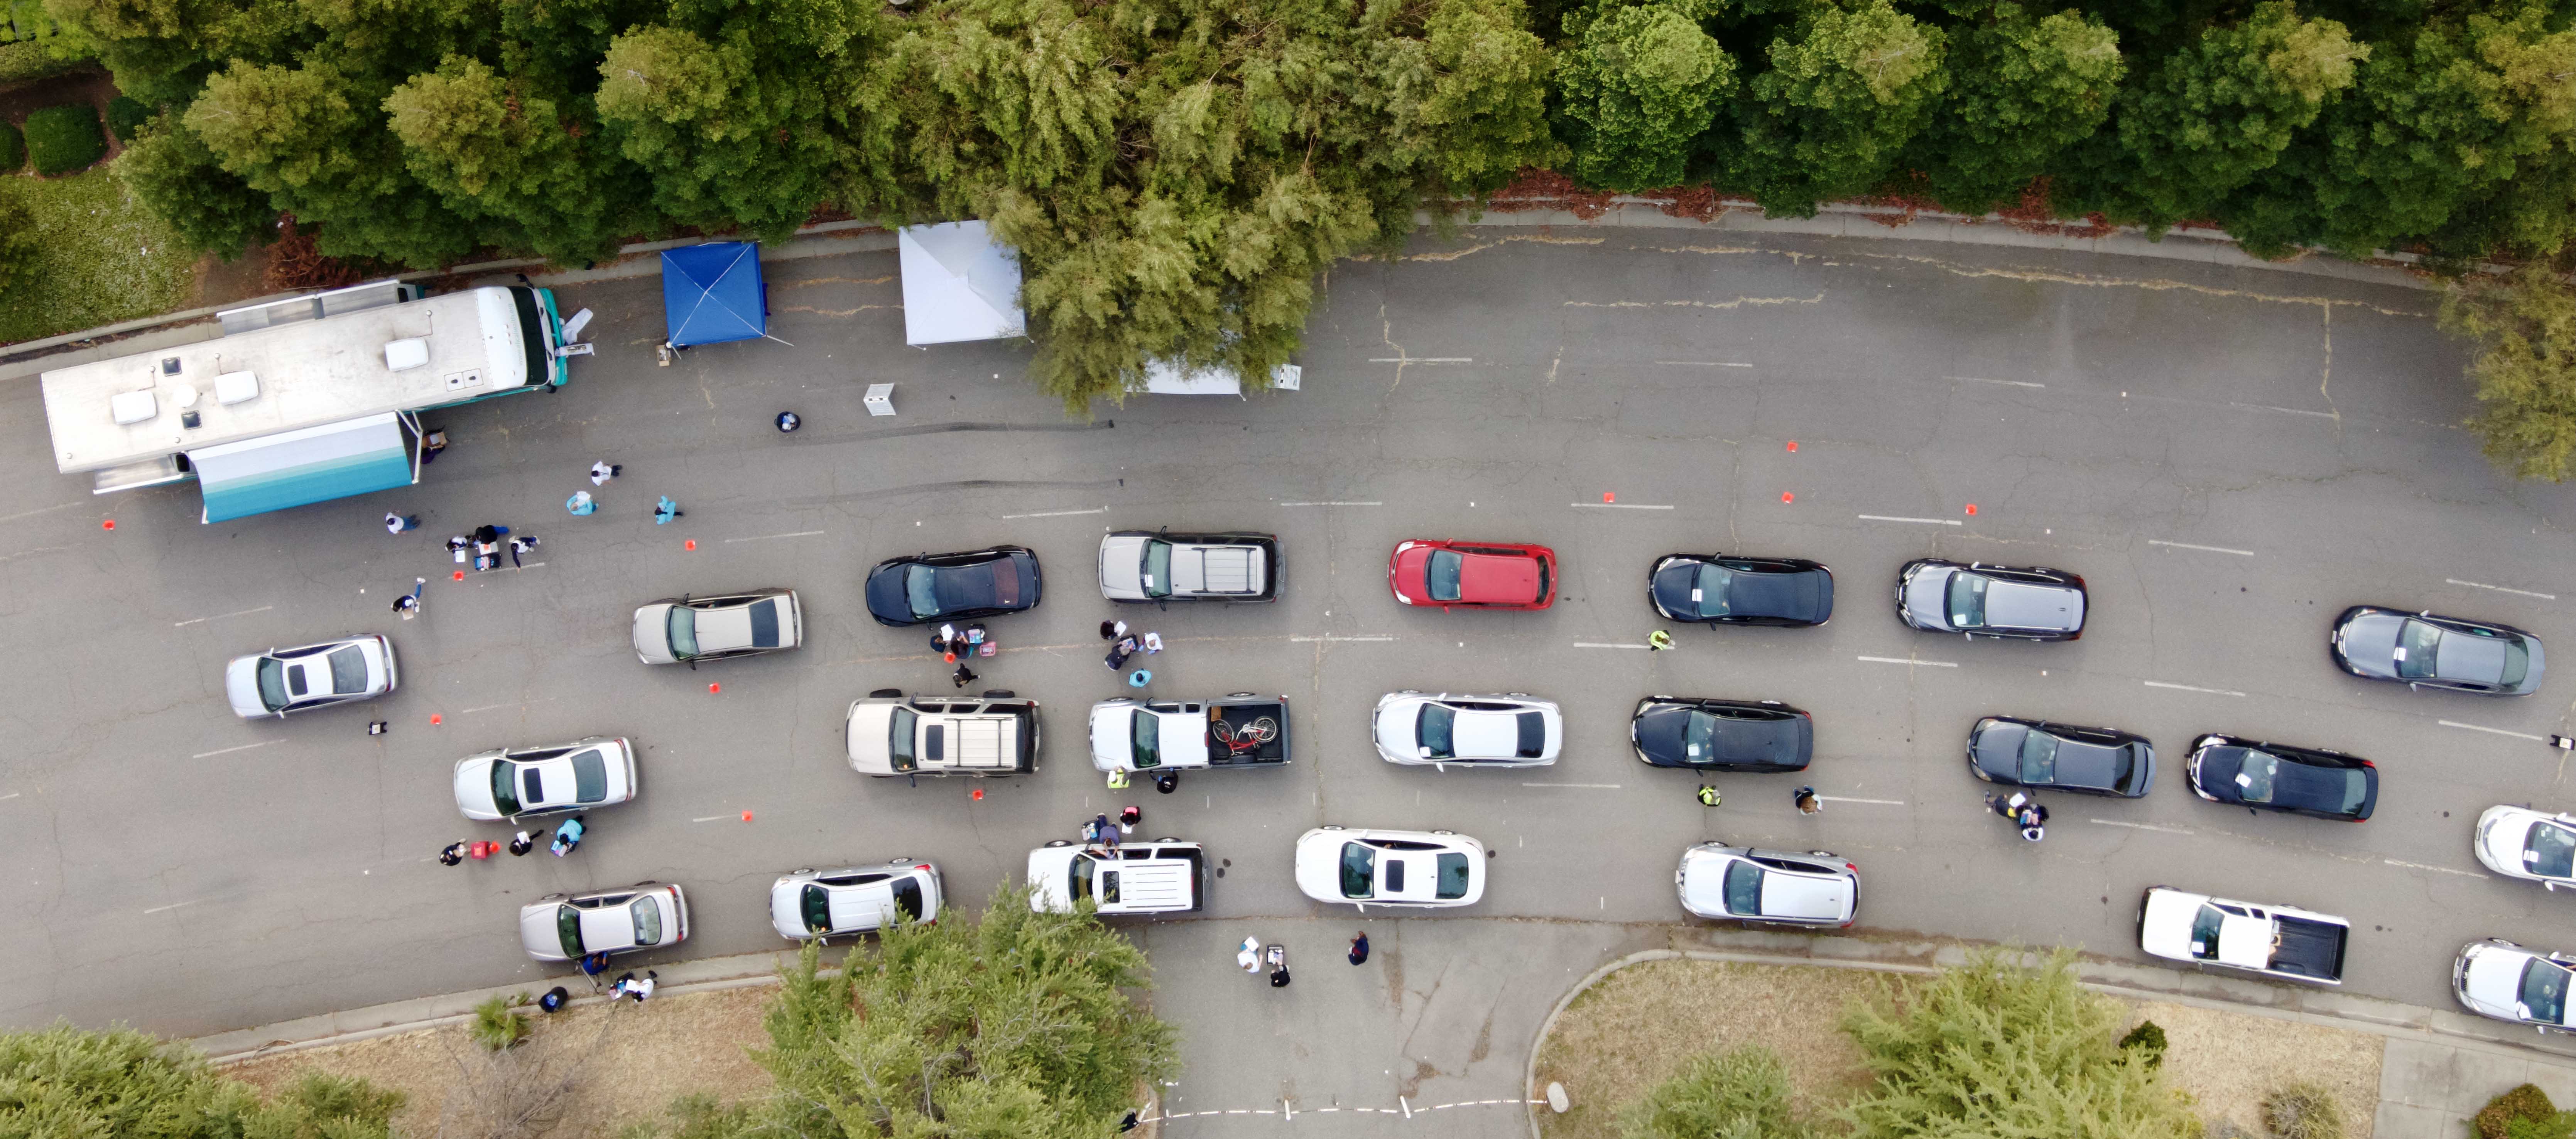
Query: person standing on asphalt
[(397, 523), (580, 504), (1658, 641), (409, 604), (1805, 798), (964, 675), (1277, 956), (521, 843), (1248, 957), (1359, 949), (665, 510), (568, 836), (1708, 796), (1128, 817), (431, 444), (600, 473), (522, 544), (454, 854)]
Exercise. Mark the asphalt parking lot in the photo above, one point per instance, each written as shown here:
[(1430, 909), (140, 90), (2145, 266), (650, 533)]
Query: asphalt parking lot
[(2229, 458)]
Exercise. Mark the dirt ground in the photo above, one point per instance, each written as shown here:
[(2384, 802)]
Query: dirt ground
[(1638, 1026), (647, 1056)]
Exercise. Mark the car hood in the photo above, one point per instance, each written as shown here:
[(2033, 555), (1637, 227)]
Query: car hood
[(1926, 596), (2020, 605), (1395, 724), (1050, 869), (2165, 928), (2217, 771), (2370, 643), (241, 687), (474, 789), (1492, 578), (2501, 835), (537, 931), (2493, 983), (1997, 746), (886, 598), (653, 634), (1319, 858), (785, 914), (1113, 743), (866, 740), (1660, 734), (1704, 883), (1793, 596), (1122, 567)]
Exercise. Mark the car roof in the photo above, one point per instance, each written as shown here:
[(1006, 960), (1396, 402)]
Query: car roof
[(2470, 657), (2023, 605), (1811, 896), (1486, 735), (2084, 764), (1772, 592), (608, 927)]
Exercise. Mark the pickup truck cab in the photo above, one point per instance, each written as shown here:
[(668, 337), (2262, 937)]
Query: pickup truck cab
[(890, 734), (1239, 730), (2273, 941), (1165, 876), (1160, 566)]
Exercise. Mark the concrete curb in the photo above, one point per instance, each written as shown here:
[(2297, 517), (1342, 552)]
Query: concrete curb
[(2364, 1014)]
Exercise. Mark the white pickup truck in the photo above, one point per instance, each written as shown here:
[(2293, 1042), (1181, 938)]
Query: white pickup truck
[(1160, 566), (2274, 941), (1240, 730), (1165, 876)]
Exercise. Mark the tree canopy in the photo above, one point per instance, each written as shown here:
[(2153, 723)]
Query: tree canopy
[(69, 1081), (2524, 328)]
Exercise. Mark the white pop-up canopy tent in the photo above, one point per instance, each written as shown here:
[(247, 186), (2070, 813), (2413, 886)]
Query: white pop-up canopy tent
[(1162, 377), (958, 284)]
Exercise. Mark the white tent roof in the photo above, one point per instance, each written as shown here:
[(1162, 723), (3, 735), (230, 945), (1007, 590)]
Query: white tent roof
[(958, 284), (1163, 377)]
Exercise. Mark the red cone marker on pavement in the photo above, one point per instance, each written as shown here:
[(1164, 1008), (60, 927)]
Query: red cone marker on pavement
[(1972, 510), (1786, 497), (746, 816), (1793, 446), (691, 544), (435, 719), (712, 689), (110, 524)]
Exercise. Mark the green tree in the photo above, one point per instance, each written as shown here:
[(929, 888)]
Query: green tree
[(2021, 91), (2211, 116), (516, 161), (1636, 89), (1992, 1049), (1846, 89), (310, 139), (72, 1082), (2524, 327), (174, 173), (1741, 1093)]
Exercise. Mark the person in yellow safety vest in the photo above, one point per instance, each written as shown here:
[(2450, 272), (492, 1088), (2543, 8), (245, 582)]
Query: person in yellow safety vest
[(1708, 796), (1117, 780), (1658, 641)]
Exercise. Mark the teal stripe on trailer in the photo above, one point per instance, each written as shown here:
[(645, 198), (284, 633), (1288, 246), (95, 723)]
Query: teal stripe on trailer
[(297, 468)]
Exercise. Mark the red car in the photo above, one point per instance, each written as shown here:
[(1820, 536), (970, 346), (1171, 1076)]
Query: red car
[(1486, 575)]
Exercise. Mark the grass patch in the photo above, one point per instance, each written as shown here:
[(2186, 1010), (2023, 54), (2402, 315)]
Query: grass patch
[(101, 258)]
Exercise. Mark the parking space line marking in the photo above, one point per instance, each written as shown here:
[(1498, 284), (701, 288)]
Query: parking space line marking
[(1879, 802), (1332, 504), (1590, 786), (508, 569), (1335, 640), (2203, 549), (1602, 645), (171, 906), (230, 750), (1923, 521), (11, 795), (2493, 731), (766, 537), (1422, 359), (2501, 589), (40, 510), (2435, 869), (2191, 688), (711, 818), (1984, 380), (516, 704), (1615, 506), (2140, 826), (1902, 660), (1049, 514), (221, 616), (1702, 364)]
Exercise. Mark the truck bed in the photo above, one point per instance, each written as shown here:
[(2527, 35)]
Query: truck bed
[(1230, 715), (2312, 949)]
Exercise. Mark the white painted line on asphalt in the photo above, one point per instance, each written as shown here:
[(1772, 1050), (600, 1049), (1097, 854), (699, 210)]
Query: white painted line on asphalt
[(2492, 731), (2501, 589), (515, 704), (1922, 521), (230, 750), (711, 818), (11, 795), (1332, 504), (1984, 380), (1879, 802), (2191, 688), (2296, 411), (1703, 364), (2203, 549), (507, 569), (39, 510), (766, 537), (1902, 660), (1048, 514), (1422, 359), (1615, 506), (1336, 640), (1590, 786), (171, 906), (221, 616), (2140, 826), (1600, 645), (2435, 869)]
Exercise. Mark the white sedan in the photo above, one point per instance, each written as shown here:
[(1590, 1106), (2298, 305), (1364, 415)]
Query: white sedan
[(1512, 730), (506, 784), (809, 903), (1366, 868), (2521, 843), (2496, 978), (646, 915), (283, 681), (1734, 883)]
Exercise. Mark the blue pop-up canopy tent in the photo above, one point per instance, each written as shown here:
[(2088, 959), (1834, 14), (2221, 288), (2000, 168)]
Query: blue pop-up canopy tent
[(711, 293)]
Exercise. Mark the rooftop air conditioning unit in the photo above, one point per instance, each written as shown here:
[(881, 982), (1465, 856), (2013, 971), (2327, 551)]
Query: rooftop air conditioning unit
[(404, 355)]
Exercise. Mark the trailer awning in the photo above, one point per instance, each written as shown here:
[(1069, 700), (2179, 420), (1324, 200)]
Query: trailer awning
[(712, 293), (307, 465), (958, 284)]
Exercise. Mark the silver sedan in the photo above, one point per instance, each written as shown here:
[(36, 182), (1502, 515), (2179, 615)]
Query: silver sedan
[(630, 919), (1734, 883), (808, 904), (2518, 842), (686, 630), (283, 681), (514, 784)]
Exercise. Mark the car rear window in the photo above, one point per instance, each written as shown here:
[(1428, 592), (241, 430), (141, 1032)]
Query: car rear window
[(1359, 870), (764, 624), (505, 791), (1533, 734), (1743, 889), (1453, 875), (1444, 571), (2517, 663), (568, 930), (348, 670), (648, 920), (589, 776)]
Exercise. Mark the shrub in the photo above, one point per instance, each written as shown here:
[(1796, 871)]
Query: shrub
[(64, 139), (2149, 1039), (2525, 1103), (2302, 1111), (13, 149), (1741, 1093), (497, 1024), (19, 249), (126, 116)]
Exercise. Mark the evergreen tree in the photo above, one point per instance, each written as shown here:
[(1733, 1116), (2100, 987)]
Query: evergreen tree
[(2524, 325), (1846, 90), (72, 1082), (18, 249), (1636, 89), (174, 174), (516, 161), (314, 142), (1741, 1093), (2021, 90)]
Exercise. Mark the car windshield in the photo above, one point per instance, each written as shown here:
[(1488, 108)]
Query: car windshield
[(899, 737), (568, 930), (1445, 565), (684, 632), (1743, 888), (1710, 590), (1432, 730), (2549, 851), (816, 902), (1359, 870), (1453, 876), (2254, 779), (1145, 733), (1158, 569), (272, 683), (2038, 758), (348, 670), (505, 787), (2418, 647), (1967, 600), (2544, 992), (921, 591), (2204, 932), (648, 920), (589, 777)]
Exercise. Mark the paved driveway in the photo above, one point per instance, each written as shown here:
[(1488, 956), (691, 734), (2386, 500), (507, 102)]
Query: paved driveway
[(2229, 457)]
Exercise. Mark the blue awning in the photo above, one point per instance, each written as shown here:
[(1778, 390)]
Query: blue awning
[(307, 465), (712, 293)]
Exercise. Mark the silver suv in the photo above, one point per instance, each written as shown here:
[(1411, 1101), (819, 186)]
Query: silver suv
[(2032, 603), (889, 733)]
